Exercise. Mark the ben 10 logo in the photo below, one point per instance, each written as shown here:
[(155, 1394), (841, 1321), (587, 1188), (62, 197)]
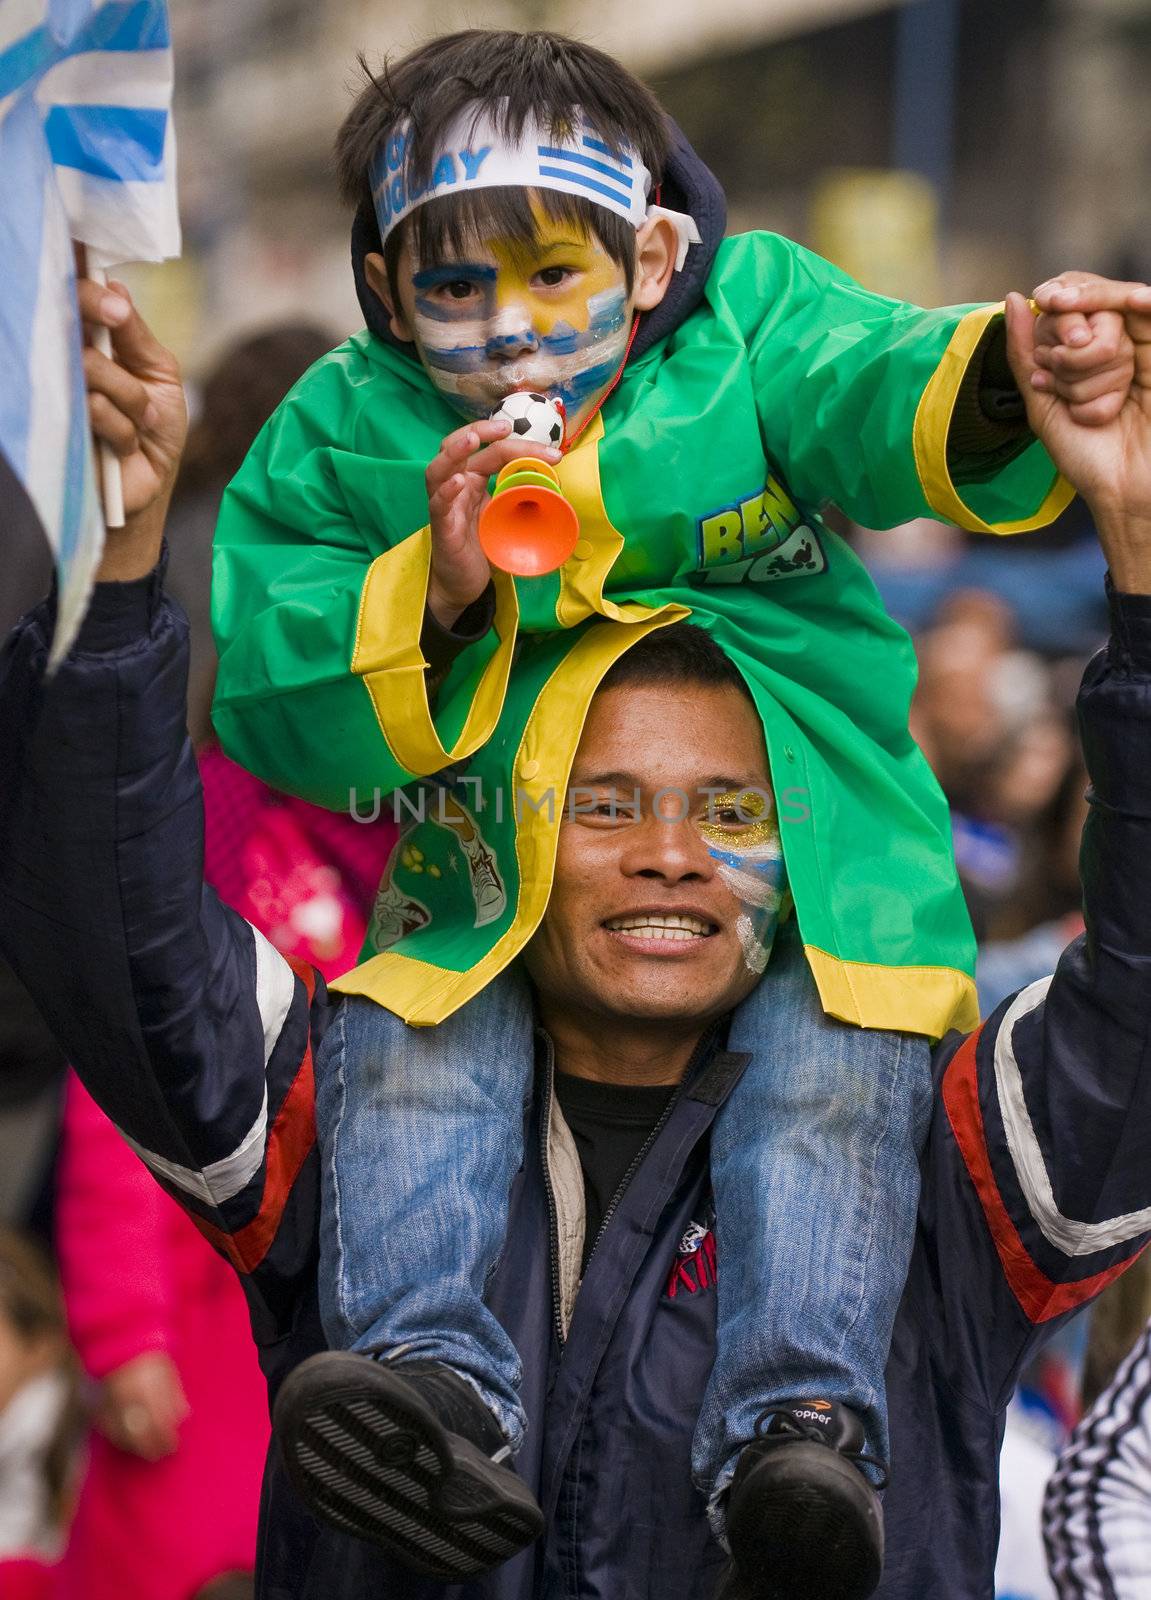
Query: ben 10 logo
[(757, 540)]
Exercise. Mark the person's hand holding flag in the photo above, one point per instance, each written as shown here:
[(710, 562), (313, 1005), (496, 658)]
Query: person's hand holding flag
[(136, 408)]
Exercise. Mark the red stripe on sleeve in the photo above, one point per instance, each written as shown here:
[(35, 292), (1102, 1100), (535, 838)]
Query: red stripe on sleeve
[(291, 1137), (1040, 1297)]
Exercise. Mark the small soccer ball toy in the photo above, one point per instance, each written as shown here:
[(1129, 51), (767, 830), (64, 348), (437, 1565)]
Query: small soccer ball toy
[(535, 418)]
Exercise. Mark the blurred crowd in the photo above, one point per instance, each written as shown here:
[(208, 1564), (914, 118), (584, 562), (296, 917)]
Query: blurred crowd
[(994, 716), (133, 1420)]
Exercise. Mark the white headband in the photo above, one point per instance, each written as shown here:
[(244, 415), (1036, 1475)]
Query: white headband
[(474, 154)]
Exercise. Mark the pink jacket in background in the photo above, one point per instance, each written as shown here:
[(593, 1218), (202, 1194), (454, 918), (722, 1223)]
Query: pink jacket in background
[(305, 877), (137, 1276)]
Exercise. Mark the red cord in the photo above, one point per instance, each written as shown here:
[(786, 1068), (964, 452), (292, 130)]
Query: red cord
[(596, 409)]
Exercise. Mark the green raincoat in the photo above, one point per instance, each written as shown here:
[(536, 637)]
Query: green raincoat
[(698, 490)]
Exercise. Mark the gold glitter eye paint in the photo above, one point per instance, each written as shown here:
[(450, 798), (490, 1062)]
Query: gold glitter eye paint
[(749, 854), (755, 825)]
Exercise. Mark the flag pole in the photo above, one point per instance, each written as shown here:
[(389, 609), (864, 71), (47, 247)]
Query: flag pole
[(111, 477)]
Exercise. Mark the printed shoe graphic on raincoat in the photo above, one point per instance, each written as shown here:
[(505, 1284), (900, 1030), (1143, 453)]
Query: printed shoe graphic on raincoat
[(766, 385)]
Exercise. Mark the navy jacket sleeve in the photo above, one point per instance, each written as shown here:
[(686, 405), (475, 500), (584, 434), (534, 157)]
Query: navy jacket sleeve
[(1037, 1180), (187, 1027)]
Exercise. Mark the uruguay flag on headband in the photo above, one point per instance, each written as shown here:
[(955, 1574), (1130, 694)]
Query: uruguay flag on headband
[(87, 152)]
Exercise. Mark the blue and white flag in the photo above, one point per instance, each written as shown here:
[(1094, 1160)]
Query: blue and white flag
[(86, 153)]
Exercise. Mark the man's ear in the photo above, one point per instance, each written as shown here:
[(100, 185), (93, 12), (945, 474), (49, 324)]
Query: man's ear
[(377, 275), (656, 244)]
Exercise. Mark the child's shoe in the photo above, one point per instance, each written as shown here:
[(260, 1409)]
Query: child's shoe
[(803, 1521), (407, 1455)]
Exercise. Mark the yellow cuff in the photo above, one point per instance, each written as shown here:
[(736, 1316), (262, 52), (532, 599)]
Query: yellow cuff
[(933, 423), (388, 658), (929, 1000)]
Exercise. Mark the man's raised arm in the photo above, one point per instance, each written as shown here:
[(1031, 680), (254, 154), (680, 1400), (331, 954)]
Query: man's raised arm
[(190, 1030), (1047, 1108)]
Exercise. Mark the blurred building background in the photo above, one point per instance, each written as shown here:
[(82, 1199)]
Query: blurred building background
[(1019, 133)]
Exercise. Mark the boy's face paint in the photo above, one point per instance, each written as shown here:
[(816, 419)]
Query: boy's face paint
[(554, 318), (742, 835)]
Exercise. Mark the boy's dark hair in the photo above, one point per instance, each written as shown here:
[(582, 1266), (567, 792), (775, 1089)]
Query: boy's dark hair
[(681, 653), (512, 76)]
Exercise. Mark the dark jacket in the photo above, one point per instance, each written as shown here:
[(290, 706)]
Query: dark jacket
[(197, 1039)]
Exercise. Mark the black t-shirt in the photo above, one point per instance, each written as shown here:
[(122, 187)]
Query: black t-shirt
[(610, 1123)]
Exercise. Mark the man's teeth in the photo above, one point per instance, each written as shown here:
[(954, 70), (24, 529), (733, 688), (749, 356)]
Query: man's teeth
[(650, 926)]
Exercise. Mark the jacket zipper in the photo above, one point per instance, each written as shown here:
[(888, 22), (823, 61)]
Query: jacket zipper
[(702, 1048), (553, 1216), (636, 1163)]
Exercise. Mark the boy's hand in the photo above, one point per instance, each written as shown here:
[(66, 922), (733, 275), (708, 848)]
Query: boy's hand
[(1109, 462), (135, 403), (457, 493), (1082, 348)]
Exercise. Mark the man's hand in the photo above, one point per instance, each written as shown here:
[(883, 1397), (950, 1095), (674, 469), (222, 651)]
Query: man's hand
[(1082, 346), (457, 483), (142, 1405), (136, 404), (1108, 461)]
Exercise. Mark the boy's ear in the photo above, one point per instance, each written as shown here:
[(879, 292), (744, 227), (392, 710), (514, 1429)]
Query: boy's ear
[(656, 244), (377, 275)]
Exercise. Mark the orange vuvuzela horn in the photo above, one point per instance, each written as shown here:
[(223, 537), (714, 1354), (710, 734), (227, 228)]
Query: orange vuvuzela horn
[(528, 527)]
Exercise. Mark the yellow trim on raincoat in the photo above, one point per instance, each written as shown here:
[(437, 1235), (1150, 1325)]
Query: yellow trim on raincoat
[(422, 994), (584, 576), (928, 1000), (387, 656)]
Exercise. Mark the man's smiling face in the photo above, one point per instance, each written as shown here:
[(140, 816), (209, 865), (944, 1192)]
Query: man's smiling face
[(641, 924)]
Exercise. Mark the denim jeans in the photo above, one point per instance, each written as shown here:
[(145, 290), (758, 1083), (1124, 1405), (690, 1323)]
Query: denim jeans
[(814, 1165), (421, 1133)]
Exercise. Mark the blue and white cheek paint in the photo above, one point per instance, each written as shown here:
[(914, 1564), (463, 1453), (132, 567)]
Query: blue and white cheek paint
[(493, 345), (751, 865)]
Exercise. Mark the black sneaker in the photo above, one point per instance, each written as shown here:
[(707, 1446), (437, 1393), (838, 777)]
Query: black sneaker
[(408, 1456), (803, 1521)]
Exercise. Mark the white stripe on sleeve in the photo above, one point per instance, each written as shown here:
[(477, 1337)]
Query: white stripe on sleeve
[(213, 1184), (1071, 1237)]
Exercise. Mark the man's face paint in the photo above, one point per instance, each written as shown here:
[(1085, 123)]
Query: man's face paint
[(742, 835), (553, 318)]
